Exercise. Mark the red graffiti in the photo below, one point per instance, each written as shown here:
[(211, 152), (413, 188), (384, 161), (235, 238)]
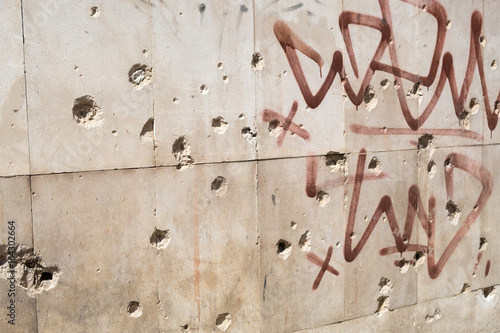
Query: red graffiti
[(364, 130), (416, 209), (446, 76), (487, 268), (312, 188), (270, 115), (290, 43), (325, 266)]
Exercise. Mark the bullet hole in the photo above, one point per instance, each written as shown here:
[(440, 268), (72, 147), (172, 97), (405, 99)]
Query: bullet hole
[(275, 128), (336, 161), (493, 65), (465, 120), (283, 249), (140, 76), (250, 136), (87, 113), (322, 198), (203, 89), (219, 125), (147, 132), (382, 305), (403, 265), (385, 285), (449, 164), (482, 40), (220, 66), (305, 241), (46, 276), (431, 169), (134, 309), (223, 321), (175, 100), (473, 105), (220, 186), (416, 92), (426, 145), (94, 12), (225, 79), (418, 259), (375, 166), (483, 244), (257, 62), (181, 149), (293, 225), (160, 239), (466, 288), (185, 328), (453, 213), (370, 99), (448, 24), (384, 84)]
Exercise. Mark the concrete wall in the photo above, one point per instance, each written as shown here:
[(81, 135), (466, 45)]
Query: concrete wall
[(249, 166)]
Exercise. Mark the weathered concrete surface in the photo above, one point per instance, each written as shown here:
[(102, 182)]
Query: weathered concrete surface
[(249, 166)]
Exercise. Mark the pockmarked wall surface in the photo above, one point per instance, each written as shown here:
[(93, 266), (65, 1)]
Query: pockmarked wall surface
[(249, 166)]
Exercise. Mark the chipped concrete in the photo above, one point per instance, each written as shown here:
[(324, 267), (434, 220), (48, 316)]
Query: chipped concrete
[(305, 241), (383, 305), (375, 166), (219, 125), (160, 239), (275, 128), (140, 76), (181, 149), (336, 161), (453, 212), (283, 249), (223, 321), (257, 62), (385, 286), (435, 316), (426, 145), (87, 113), (134, 309), (416, 92), (370, 99), (19, 265), (322, 198), (147, 132), (220, 186)]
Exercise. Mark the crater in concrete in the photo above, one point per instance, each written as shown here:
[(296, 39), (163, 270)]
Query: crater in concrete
[(87, 113), (19, 263)]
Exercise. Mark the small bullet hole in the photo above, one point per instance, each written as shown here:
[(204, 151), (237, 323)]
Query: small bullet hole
[(281, 246)]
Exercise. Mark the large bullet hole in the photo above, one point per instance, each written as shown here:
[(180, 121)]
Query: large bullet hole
[(46, 276), (283, 249)]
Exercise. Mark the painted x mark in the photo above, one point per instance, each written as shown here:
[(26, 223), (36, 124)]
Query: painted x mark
[(325, 266), (288, 124)]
